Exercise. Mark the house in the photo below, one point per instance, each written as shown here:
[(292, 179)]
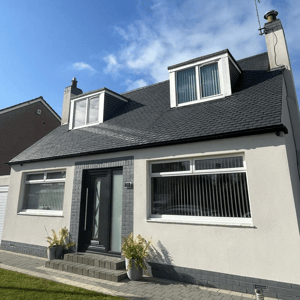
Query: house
[(206, 163), (21, 126)]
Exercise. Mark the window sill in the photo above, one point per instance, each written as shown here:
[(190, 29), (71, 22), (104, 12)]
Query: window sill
[(205, 99), (44, 213), (201, 221)]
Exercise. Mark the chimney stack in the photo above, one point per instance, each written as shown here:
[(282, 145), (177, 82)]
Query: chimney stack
[(69, 92), (276, 43)]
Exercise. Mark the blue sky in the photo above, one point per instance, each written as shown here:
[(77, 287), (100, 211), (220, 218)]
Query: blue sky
[(123, 45)]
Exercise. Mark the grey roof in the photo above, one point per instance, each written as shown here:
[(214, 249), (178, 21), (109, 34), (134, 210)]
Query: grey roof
[(147, 119)]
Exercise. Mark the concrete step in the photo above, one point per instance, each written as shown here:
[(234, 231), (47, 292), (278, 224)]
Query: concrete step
[(86, 270), (96, 260)]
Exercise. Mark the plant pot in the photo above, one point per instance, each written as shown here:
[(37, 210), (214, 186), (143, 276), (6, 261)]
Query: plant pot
[(134, 273), (59, 252), (51, 252)]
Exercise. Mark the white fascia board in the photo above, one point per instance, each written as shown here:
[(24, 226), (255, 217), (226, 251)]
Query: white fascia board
[(236, 66), (101, 108), (98, 93), (87, 96), (200, 62), (224, 75), (71, 118), (172, 78), (115, 95)]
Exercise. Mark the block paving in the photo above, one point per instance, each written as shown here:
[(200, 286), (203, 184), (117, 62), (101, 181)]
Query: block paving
[(145, 289)]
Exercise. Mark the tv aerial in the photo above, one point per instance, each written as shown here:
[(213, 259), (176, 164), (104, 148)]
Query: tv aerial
[(261, 30)]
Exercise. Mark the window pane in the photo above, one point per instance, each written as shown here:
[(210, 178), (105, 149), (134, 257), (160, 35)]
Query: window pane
[(93, 113), (171, 167), (56, 175), (213, 195), (35, 176), (47, 196), (210, 80), (186, 85), (79, 113), (219, 163)]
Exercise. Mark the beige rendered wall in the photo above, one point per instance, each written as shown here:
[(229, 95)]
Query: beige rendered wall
[(270, 249), (30, 229), (4, 180)]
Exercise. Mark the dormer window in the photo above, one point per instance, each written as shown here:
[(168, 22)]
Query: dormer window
[(93, 108), (86, 111), (208, 81), (206, 78)]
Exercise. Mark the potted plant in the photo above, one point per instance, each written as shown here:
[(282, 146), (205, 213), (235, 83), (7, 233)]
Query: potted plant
[(64, 242), (58, 242), (53, 244), (135, 252)]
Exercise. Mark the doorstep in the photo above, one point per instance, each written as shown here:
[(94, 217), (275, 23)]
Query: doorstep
[(92, 265)]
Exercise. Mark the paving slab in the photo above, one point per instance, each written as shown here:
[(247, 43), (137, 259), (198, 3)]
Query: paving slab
[(149, 288)]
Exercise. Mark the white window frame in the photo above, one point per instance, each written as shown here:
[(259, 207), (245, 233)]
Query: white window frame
[(198, 80), (224, 78), (40, 212), (226, 221), (100, 97)]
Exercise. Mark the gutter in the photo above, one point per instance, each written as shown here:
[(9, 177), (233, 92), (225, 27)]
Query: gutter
[(275, 128)]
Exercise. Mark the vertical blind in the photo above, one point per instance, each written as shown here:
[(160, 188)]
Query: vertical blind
[(210, 80), (186, 86), (213, 195), (219, 192), (47, 196)]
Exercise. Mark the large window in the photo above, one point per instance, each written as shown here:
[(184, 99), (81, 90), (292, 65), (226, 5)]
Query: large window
[(44, 191), (197, 83), (86, 111), (211, 187)]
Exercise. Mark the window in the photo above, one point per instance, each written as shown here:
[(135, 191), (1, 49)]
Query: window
[(199, 189), (44, 191), (86, 111), (187, 87)]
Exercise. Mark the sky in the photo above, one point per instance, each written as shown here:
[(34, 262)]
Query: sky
[(124, 45)]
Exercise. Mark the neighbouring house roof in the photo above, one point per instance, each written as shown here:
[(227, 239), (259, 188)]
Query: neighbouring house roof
[(29, 102), (147, 119)]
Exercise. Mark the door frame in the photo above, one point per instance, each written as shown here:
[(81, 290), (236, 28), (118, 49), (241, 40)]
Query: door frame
[(87, 176)]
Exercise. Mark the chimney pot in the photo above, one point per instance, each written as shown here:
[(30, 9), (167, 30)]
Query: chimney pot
[(271, 15), (74, 82)]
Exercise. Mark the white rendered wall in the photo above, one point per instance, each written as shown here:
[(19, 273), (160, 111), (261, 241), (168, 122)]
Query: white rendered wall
[(269, 250)]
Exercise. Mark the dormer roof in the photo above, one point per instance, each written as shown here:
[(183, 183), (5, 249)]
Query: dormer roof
[(147, 120)]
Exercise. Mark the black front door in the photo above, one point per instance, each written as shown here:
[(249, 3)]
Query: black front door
[(101, 211)]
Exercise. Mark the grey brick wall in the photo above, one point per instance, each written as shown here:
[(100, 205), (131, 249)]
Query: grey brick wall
[(127, 209), (35, 250), (236, 283)]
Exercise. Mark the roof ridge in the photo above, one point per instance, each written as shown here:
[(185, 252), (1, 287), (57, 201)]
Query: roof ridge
[(252, 56), (144, 87), (40, 97)]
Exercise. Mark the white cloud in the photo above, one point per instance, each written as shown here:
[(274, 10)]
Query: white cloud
[(132, 85), (170, 32), (81, 66), (112, 64)]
